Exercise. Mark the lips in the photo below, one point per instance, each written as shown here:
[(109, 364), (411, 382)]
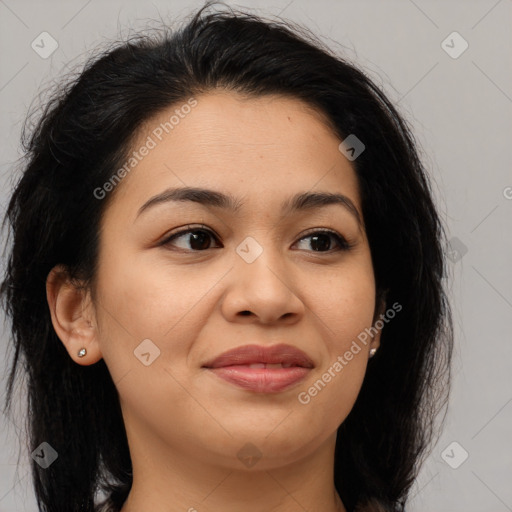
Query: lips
[(262, 369), (277, 356)]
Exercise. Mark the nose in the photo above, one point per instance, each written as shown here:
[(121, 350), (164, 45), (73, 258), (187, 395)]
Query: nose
[(262, 291)]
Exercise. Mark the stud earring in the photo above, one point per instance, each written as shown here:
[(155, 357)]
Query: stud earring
[(372, 352), (82, 352)]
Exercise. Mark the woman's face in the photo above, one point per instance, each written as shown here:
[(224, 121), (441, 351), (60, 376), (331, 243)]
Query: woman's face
[(264, 274)]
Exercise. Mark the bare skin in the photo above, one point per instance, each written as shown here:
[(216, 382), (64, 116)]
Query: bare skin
[(185, 425)]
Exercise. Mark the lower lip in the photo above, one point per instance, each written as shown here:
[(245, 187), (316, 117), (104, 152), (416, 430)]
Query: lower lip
[(261, 380)]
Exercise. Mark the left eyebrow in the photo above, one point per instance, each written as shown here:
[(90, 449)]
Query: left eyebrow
[(311, 200), (299, 202)]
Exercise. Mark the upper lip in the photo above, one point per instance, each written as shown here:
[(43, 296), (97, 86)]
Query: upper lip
[(251, 354)]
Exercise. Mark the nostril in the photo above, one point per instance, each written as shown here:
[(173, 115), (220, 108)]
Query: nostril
[(245, 313)]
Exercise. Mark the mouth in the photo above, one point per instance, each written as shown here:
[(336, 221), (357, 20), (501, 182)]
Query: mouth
[(269, 366), (284, 355), (262, 369)]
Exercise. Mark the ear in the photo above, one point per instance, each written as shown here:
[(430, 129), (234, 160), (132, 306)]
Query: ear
[(73, 316), (380, 308)]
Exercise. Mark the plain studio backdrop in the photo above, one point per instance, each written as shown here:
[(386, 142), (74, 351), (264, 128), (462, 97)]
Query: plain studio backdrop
[(446, 65)]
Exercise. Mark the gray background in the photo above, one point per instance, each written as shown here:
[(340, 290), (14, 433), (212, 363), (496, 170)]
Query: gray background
[(460, 109)]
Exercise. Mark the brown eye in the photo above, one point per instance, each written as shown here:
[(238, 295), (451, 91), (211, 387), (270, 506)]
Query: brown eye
[(191, 239), (321, 241)]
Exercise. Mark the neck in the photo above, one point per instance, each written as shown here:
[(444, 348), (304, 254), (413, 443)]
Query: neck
[(165, 480)]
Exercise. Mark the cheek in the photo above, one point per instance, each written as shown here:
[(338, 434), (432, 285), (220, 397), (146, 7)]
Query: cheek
[(327, 401), (345, 313), (144, 310), (344, 301), (138, 302), (343, 308)]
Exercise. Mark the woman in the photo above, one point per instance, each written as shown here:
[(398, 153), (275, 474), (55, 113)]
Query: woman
[(226, 281)]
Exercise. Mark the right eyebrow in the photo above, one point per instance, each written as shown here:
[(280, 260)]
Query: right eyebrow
[(299, 202)]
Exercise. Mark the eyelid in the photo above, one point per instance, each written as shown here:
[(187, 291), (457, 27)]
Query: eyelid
[(343, 243), (183, 230)]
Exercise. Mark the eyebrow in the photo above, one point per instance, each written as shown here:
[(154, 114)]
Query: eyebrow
[(212, 198)]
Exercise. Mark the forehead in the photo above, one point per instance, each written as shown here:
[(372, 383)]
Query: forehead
[(257, 148)]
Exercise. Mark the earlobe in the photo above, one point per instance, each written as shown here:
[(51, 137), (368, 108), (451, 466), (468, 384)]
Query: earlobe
[(375, 343), (72, 316), (378, 324)]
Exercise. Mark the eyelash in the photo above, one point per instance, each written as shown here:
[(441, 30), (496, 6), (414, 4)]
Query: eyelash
[(343, 244)]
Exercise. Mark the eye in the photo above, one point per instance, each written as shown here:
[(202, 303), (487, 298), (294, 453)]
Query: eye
[(320, 241), (194, 239), (199, 238)]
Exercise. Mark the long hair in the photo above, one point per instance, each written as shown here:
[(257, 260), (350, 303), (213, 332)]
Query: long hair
[(81, 138)]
